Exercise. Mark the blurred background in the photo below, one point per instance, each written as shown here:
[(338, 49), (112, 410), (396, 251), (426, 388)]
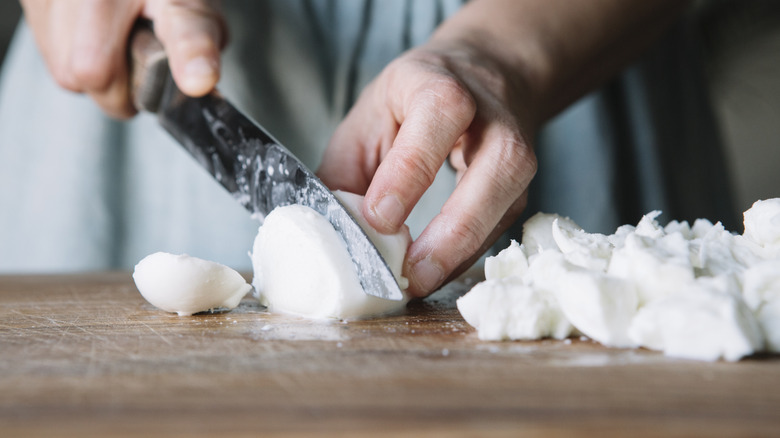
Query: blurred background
[(743, 71), (743, 68), (9, 16)]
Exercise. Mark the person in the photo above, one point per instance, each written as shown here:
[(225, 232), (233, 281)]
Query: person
[(418, 85)]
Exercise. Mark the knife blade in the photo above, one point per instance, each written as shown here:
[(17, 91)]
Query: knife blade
[(255, 168)]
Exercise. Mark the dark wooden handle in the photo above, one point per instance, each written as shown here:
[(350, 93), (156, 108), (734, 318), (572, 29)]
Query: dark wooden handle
[(148, 67)]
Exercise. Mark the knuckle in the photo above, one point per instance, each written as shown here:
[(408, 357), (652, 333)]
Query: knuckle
[(114, 102), (524, 160), (201, 6), (452, 96), (467, 233), (207, 14), (192, 26), (514, 169), (419, 167), (91, 72), (64, 78), (518, 166)]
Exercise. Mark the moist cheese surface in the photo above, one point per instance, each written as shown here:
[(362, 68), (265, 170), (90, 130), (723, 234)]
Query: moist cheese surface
[(693, 291)]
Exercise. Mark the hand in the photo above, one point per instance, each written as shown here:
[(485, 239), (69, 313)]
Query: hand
[(437, 101), (84, 44)]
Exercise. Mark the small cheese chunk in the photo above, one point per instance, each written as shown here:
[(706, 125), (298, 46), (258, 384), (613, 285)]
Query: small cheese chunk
[(591, 251), (537, 232), (188, 285), (655, 267), (601, 307), (769, 318), (507, 309), (762, 223), (699, 322), (510, 262)]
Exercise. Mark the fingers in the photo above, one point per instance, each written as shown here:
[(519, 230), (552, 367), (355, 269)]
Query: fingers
[(84, 44), (357, 147), (98, 61), (432, 116), (489, 196), (192, 32), (399, 134)]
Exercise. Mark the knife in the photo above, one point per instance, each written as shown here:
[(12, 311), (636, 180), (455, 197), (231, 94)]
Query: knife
[(257, 170)]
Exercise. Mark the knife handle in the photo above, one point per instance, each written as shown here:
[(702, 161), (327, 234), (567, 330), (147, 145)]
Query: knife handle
[(148, 67)]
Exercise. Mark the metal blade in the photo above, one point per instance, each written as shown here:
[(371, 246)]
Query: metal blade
[(262, 174)]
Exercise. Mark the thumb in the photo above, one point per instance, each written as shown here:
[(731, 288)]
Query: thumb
[(192, 32)]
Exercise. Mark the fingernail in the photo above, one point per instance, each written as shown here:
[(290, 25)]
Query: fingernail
[(390, 211), (427, 274), (199, 72)]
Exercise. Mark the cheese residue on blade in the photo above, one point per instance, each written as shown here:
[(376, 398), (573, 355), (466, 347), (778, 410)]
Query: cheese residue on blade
[(692, 291), (302, 265)]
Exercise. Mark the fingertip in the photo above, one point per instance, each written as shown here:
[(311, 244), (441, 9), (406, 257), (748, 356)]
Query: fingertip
[(192, 34), (125, 113), (386, 214), (115, 102), (425, 275), (199, 76)]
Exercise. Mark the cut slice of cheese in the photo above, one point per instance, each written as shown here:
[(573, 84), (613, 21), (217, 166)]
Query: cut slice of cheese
[(302, 266)]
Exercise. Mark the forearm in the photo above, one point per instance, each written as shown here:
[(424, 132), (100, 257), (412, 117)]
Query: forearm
[(559, 49)]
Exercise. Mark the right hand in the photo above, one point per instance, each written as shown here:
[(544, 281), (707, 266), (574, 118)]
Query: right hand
[(84, 44)]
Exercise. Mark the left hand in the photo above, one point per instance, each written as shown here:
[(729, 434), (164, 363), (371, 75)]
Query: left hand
[(437, 101)]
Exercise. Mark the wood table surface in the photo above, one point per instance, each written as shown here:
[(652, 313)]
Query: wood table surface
[(85, 355)]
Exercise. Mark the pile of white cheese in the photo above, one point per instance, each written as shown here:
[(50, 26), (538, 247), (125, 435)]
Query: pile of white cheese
[(692, 291)]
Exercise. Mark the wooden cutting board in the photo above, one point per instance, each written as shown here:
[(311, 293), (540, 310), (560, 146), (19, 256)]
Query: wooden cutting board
[(85, 355)]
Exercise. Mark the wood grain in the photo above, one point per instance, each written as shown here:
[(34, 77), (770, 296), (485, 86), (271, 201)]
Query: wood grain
[(85, 355)]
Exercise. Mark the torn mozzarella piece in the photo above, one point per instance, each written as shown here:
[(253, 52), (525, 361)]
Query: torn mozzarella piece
[(698, 323), (591, 251), (510, 262), (188, 285), (601, 307), (761, 284), (679, 227), (649, 227), (505, 308), (769, 319), (619, 238), (597, 305), (537, 232), (655, 267), (545, 269), (762, 223), (302, 265), (713, 253)]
